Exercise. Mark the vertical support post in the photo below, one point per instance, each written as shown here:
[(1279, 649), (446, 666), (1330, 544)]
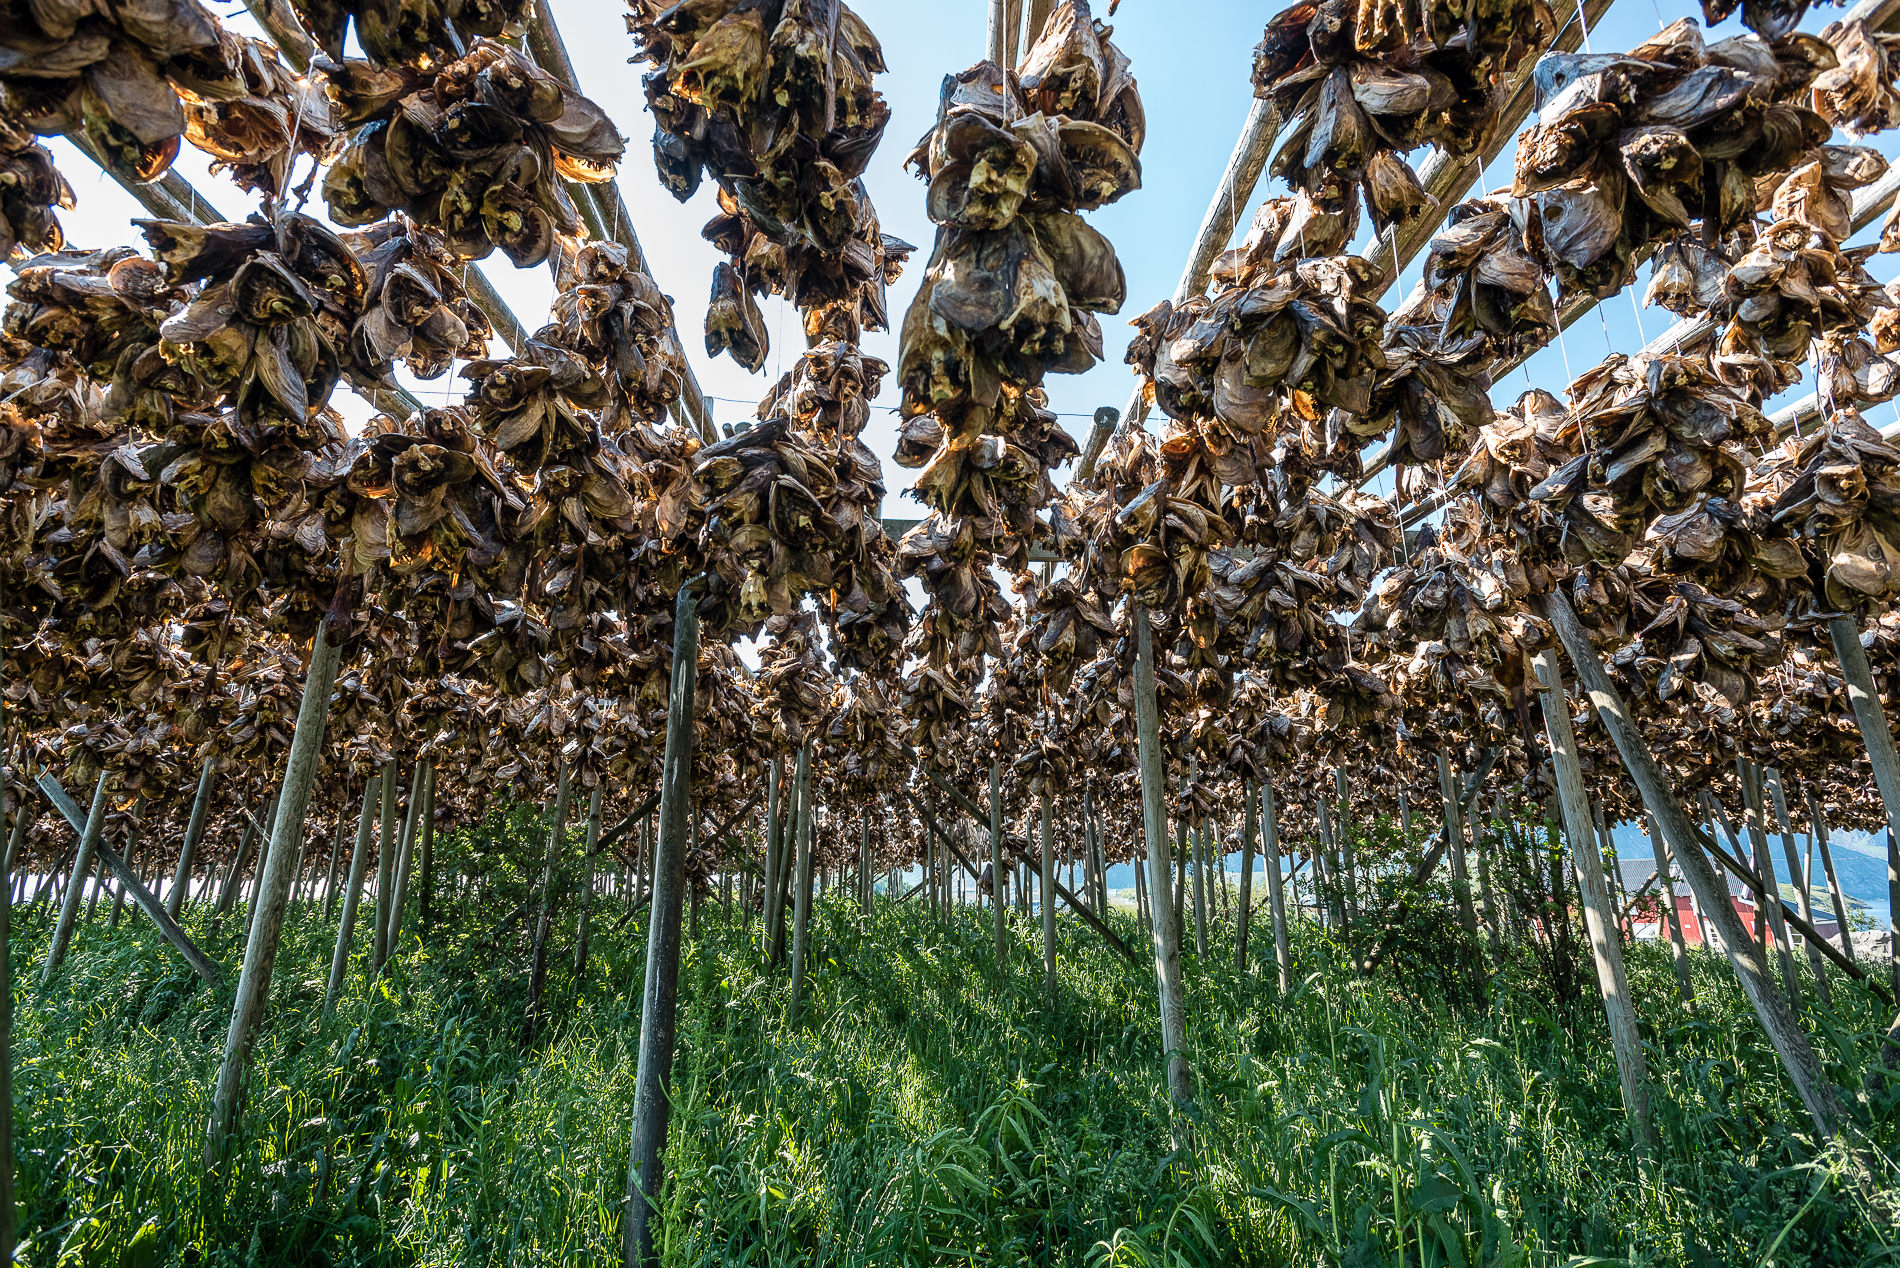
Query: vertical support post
[(1282, 947), (386, 851), (1599, 918), (1752, 810), (82, 866), (1487, 899), (587, 885), (660, 994), (1455, 836), (768, 941), (1817, 824), (194, 833), (1166, 938), (336, 854), (1797, 1054), (1248, 824), (1780, 799), (557, 835), (359, 863), (1349, 872), (1048, 907), (425, 898), (996, 867), (267, 916), (801, 891), (1190, 839)]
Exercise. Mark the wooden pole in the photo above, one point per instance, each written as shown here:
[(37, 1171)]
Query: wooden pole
[(801, 883), (1166, 936), (353, 893), (194, 833), (390, 911), (227, 896), (557, 834), (386, 851), (132, 834), (1817, 824), (587, 885), (267, 918), (1248, 825), (1780, 800), (768, 936), (1455, 834), (1659, 848), (1188, 841), (425, 897), (1599, 917), (996, 868), (1048, 906), (336, 854), (998, 50), (89, 841), (1342, 828), (1488, 905), (1752, 808), (421, 801), (1874, 730), (660, 994), (69, 810), (1797, 1055), (1282, 946)]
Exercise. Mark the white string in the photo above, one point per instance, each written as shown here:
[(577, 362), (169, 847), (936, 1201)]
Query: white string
[(1638, 310), (1584, 23)]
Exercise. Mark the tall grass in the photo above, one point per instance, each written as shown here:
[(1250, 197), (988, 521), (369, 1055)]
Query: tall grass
[(928, 1111)]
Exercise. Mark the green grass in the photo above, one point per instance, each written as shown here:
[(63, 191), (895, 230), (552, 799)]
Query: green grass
[(926, 1113)]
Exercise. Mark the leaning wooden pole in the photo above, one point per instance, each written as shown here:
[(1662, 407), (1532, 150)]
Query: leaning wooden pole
[(1797, 1055), (1599, 917), (82, 867), (353, 891), (148, 902), (194, 833), (660, 995), (1154, 822), (267, 919)]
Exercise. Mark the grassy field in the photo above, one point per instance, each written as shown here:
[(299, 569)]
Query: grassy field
[(925, 1113)]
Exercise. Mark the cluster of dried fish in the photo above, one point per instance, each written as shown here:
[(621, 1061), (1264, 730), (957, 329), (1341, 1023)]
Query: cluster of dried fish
[(1281, 351), (1629, 149), (774, 99), (796, 692), (415, 308), (414, 34), (476, 150), (256, 134), (1365, 83), (118, 75), (104, 310), (31, 188), (1015, 280), (615, 316), (1838, 492)]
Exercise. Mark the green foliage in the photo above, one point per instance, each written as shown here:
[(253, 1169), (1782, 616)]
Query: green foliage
[(926, 1112)]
